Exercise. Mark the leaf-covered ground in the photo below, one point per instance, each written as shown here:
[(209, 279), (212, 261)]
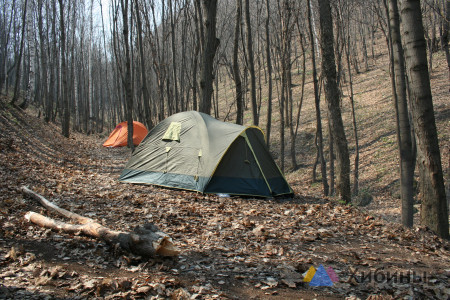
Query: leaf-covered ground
[(232, 248)]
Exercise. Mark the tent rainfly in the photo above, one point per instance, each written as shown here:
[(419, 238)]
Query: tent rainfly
[(194, 151), (119, 136)]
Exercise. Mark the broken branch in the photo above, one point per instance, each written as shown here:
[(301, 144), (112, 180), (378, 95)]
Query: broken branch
[(145, 240)]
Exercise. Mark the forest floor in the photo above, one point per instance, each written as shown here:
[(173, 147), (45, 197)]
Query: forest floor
[(231, 248)]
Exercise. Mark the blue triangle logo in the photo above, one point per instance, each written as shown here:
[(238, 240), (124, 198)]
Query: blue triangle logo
[(321, 278)]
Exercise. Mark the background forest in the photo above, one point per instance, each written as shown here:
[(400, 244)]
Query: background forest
[(89, 65)]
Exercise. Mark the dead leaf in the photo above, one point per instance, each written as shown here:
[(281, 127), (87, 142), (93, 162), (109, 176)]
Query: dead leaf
[(143, 289), (259, 230), (289, 282)]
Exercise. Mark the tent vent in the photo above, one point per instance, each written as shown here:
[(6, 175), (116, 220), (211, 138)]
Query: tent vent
[(173, 132)]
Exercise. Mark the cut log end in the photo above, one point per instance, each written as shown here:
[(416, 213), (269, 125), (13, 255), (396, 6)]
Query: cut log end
[(167, 248), (28, 216)]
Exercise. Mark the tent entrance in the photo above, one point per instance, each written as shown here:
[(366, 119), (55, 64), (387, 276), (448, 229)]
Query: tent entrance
[(273, 175), (239, 172)]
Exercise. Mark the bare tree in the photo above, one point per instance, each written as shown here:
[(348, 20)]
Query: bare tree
[(30, 92), (333, 97), (269, 74), (295, 124), (8, 12), (251, 63), (398, 82), (126, 77), (43, 59), (197, 46), (90, 79), (445, 34), (434, 209), (107, 86), (65, 118), (347, 48), (318, 139), (209, 51), (236, 72), (19, 58), (145, 93), (174, 57), (54, 67), (158, 53)]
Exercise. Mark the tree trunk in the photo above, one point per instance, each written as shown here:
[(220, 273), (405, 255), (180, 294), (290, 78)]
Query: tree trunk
[(302, 94), (174, 57), (53, 55), (126, 78), (445, 36), (251, 64), (269, 74), (319, 137), (282, 103), (398, 81), (290, 103), (184, 91), (19, 58), (352, 104), (355, 133), (106, 65), (65, 114), (333, 99), (194, 77), (31, 87), (313, 23), (43, 60), (76, 101), (90, 85), (158, 62), (434, 209), (197, 51), (331, 157), (236, 72), (146, 96), (4, 40), (209, 51)]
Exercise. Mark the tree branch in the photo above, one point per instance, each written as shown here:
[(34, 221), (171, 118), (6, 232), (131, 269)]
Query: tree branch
[(146, 241)]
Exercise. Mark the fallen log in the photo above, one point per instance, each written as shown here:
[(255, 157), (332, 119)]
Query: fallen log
[(146, 241)]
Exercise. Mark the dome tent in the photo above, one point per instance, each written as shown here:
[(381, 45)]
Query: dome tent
[(194, 151), (118, 137)]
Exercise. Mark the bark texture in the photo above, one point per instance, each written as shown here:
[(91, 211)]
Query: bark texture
[(402, 115), (209, 51), (434, 209), (333, 96), (236, 72)]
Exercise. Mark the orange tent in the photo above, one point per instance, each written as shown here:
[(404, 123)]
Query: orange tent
[(118, 137)]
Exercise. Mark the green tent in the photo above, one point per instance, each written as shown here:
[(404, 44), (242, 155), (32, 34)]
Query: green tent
[(193, 151)]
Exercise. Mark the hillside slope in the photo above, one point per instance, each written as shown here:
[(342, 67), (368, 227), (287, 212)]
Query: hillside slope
[(378, 162), (232, 248)]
